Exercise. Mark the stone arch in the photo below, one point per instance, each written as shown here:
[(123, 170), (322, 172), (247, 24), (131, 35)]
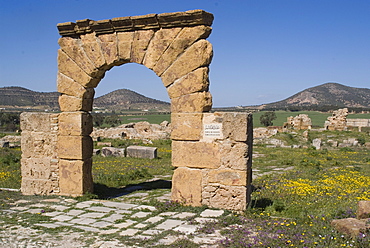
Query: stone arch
[(173, 45), (212, 152)]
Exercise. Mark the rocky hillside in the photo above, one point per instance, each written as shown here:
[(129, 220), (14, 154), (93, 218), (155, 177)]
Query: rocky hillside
[(127, 99), (18, 98), (326, 95), (21, 98)]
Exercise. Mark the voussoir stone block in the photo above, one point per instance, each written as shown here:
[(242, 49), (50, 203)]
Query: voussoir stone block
[(186, 37), (140, 44), (186, 126), (93, 50), (197, 55), (195, 154), (75, 177), (75, 123), (125, 40), (70, 87), (158, 45), (195, 81), (228, 177), (75, 147), (192, 103), (108, 43), (73, 48), (69, 68), (72, 103), (187, 186)]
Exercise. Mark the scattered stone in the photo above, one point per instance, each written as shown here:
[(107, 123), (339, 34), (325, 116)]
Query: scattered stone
[(212, 213), (112, 152), (129, 232), (169, 224), (140, 214), (142, 152), (363, 210)]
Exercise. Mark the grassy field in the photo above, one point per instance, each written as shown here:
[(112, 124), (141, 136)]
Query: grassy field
[(318, 118), (297, 194)]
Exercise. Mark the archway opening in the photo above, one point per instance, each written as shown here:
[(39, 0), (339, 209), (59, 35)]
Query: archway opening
[(131, 108)]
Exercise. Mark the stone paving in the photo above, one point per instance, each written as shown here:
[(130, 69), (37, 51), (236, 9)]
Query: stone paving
[(106, 223)]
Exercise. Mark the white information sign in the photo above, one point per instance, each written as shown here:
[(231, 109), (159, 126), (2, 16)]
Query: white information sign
[(212, 130)]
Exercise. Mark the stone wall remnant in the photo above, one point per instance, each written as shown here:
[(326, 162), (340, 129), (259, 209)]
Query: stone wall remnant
[(338, 120), (299, 122), (211, 151)]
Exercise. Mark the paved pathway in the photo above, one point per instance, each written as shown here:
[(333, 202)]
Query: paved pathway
[(63, 222)]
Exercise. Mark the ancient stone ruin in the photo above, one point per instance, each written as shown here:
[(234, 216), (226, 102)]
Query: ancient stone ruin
[(211, 151), (299, 122), (338, 121)]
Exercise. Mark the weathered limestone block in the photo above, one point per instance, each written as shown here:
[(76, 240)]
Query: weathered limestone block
[(227, 177), (69, 68), (158, 45), (195, 81), (238, 126), (203, 155), (37, 187), (363, 210), (125, 40), (234, 155), (93, 50), (4, 144), (187, 186), (186, 126), (72, 47), (140, 44), (112, 152), (350, 226), (108, 43), (36, 168), (37, 122), (226, 197), (38, 144), (70, 87), (75, 123), (75, 177), (72, 103), (75, 147), (185, 38), (193, 103), (197, 55), (141, 152)]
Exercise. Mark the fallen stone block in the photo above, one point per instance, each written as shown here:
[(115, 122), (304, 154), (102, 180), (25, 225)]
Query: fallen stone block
[(350, 226), (363, 210), (112, 152), (142, 152), (96, 151), (109, 144)]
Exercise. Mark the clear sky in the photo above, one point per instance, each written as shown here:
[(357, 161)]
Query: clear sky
[(264, 51)]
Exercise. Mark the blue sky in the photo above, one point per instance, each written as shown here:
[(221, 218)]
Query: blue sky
[(264, 51)]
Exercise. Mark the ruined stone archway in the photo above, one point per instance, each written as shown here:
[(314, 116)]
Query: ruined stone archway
[(212, 151)]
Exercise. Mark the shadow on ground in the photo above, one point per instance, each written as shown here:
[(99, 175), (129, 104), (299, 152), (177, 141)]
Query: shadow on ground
[(105, 192)]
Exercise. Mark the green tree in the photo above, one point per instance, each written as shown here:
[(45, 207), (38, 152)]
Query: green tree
[(267, 118)]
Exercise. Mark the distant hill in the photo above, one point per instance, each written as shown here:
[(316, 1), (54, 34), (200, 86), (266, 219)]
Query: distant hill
[(21, 98), (329, 95), (18, 98), (127, 99)]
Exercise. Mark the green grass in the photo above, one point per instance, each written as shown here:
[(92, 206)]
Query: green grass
[(318, 118)]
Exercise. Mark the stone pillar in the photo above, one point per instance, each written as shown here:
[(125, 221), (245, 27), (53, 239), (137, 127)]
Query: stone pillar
[(75, 148), (213, 159), (40, 162)]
